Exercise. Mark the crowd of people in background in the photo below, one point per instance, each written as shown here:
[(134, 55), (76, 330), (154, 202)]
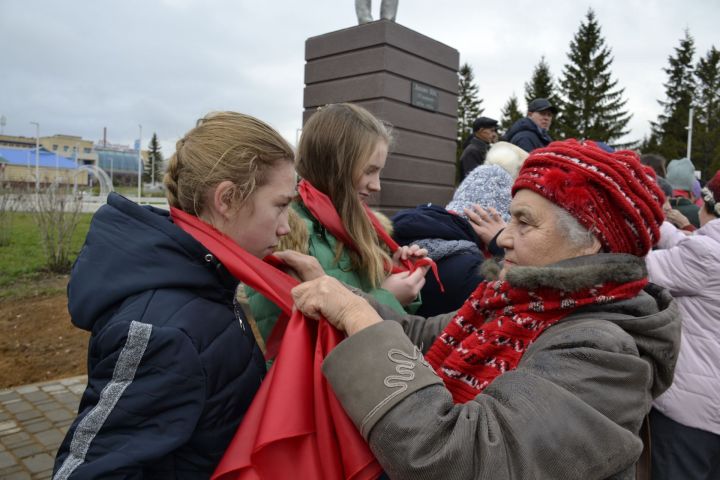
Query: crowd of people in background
[(556, 319)]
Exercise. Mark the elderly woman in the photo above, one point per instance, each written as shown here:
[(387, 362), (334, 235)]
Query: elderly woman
[(544, 373)]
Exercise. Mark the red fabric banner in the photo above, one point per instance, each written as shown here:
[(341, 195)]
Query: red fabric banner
[(295, 426)]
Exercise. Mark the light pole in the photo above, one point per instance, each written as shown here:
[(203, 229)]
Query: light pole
[(140, 164), (37, 155), (689, 129)]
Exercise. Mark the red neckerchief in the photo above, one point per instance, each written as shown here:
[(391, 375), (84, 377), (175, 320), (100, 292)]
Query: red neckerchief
[(295, 427), (492, 330), (322, 208)]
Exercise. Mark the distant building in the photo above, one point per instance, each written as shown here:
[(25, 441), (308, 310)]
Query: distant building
[(71, 146), (17, 142), (120, 162), (18, 166)]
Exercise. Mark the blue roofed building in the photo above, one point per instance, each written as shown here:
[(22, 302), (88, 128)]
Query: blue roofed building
[(23, 166)]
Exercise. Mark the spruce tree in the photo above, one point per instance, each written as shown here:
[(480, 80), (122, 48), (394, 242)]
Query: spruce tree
[(591, 105), (670, 130), (510, 113), (706, 133), (541, 85), (155, 160), (469, 105)]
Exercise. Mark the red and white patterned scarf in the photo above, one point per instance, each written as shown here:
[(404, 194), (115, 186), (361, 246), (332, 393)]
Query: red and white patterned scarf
[(492, 330)]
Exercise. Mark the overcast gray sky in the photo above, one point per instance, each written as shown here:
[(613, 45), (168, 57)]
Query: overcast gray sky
[(77, 66)]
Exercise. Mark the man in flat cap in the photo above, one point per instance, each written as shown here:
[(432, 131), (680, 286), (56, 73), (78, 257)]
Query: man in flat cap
[(484, 133), (531, 132)]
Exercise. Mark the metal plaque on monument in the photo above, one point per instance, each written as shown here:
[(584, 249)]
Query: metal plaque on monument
[(405, 79)]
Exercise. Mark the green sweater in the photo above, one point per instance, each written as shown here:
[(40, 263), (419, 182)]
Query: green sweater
[(322, 246)]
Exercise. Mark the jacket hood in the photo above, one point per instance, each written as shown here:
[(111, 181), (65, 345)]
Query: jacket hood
[(130, 249), (431, 221), (652, 318), (524, 124)]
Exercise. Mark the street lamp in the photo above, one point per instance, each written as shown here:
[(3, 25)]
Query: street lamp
[(37, 155), (140, 164), (689, 129)]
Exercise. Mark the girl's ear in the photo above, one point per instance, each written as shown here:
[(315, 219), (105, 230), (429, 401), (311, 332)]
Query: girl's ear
[(222, 198)]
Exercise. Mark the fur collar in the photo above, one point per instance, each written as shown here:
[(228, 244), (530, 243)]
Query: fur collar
[(575, 273)]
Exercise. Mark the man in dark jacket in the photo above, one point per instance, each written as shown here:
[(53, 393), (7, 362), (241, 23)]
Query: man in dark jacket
[(484, 133), (530, 132)]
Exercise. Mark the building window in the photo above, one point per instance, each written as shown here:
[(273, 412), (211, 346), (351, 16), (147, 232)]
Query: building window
[(65, 148), (86, 150), (54, 147)]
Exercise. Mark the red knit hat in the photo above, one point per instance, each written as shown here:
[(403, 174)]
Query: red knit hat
[(608, 193), (713, 188)]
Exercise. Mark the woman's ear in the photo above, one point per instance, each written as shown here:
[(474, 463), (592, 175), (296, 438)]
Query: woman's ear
[(596, 247), (222, 199)]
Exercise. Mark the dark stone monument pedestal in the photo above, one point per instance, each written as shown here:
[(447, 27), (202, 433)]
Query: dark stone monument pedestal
[(403, 78)]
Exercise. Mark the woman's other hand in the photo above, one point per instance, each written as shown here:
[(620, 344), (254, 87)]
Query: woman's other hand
[(302, 267), (485, 223), (406, 285), (327, 297)]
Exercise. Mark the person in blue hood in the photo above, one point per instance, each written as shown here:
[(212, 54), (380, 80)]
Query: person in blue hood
[(172, 363)]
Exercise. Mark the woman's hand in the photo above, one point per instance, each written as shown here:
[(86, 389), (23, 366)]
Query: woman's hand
[(302, 267), (485, 223), (406, 285), (327, 297)]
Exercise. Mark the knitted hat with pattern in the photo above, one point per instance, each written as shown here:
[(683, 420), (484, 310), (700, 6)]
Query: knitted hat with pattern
[(608, 193), (711, 194), (486, 185)]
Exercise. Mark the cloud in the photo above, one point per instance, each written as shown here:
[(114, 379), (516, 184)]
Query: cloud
[(79, 66)]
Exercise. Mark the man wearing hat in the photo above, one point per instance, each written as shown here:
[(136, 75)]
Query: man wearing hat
[(530, 132), (484, 133)]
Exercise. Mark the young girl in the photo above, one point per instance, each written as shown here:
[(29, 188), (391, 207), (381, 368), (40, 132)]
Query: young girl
[(342, 152), (172, 363)]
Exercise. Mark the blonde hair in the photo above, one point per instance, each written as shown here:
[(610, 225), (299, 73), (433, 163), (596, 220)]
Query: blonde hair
[(222, 146), (335, 144)]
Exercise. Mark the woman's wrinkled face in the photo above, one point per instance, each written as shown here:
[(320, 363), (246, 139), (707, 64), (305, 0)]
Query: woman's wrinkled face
[(368, 181), (533, 238), (262, 220)]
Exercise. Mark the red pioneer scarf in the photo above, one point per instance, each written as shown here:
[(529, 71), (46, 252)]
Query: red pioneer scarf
[(295, 426), (322, 208), (492, 330)]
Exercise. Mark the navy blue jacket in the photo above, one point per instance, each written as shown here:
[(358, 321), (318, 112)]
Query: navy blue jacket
[(527, 135), (459, 271), (172, 364)]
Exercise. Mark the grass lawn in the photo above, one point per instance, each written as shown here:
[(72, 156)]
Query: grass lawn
[(22, 262)]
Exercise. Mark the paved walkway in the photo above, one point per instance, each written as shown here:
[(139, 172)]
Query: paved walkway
[(33, 422)]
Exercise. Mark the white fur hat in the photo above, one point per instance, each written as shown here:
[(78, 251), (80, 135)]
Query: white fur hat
[(508, 156)]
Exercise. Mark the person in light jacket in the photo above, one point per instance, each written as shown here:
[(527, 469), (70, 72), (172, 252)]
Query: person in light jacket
[(685, 420)]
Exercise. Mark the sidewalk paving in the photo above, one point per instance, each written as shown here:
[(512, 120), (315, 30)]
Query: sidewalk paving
[(33, 422)]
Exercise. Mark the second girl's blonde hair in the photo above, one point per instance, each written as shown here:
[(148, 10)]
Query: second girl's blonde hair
[(335, 143), (223, 146)]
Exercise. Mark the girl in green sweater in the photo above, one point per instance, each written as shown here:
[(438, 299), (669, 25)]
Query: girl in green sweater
[(342, 151)]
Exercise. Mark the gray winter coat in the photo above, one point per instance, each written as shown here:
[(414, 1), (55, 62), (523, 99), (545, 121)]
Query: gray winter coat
[(572, 408)]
